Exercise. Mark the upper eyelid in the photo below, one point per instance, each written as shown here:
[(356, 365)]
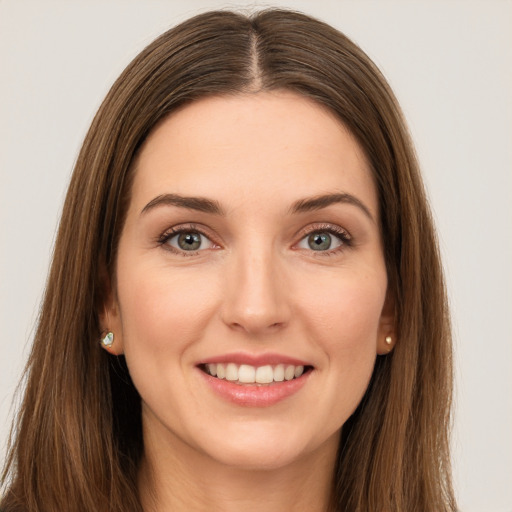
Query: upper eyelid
[(183, 228), (321, 227)]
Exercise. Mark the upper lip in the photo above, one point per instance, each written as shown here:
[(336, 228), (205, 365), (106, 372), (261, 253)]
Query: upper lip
[(254, 359)]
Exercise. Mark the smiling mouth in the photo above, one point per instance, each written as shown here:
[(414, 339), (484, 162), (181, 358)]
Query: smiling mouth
[(259, 375)]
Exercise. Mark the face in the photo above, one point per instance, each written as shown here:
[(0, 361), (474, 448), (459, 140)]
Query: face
[(250, 289)]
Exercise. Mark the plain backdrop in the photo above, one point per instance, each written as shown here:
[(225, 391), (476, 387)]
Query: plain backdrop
[(450, 64)]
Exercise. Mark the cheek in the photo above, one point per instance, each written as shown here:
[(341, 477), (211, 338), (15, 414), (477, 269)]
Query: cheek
[(341, 316), (346, 311), (161, 310), (345, 324)]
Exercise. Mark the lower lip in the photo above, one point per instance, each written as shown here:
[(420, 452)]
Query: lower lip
[(248, 395)]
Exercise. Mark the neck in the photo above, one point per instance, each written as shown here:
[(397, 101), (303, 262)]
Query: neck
[(174, 476)]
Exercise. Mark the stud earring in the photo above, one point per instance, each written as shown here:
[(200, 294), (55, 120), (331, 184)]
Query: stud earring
[(389, 340), (108, 340)]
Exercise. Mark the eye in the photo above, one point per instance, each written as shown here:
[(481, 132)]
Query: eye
[(187, 240), (324, 240)]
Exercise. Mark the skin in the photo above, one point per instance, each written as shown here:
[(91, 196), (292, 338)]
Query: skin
[(255, 286)]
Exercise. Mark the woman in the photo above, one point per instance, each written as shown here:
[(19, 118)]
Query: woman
[(246, 306)]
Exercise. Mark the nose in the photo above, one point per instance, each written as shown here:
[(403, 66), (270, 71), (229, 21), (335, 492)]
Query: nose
[(255, 299)]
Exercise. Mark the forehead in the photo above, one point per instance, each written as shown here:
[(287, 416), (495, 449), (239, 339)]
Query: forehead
[(276, 145)]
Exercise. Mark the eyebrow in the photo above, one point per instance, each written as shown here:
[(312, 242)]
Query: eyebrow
[(200, 204), (319, 202)]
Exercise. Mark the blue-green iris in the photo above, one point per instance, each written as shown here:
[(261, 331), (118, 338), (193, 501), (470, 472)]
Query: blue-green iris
[(319, 241), (189, 241)]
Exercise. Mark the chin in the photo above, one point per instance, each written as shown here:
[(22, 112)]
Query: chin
[(267, 450), (243, 458)]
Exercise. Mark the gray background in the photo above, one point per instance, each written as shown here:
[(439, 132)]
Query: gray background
[(450, 64)]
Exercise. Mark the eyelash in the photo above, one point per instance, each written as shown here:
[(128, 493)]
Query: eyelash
[(172, 232), (332, 229)]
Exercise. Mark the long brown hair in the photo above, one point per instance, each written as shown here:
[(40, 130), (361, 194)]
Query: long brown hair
[(77, 441)]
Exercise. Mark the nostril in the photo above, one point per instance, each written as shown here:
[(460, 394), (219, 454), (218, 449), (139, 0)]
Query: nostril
[(254, 325)]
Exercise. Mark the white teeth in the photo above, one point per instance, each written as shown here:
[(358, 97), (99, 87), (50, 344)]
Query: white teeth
[(264, 374), (221, 371), (279, 373), (232, 372), (247, 374), (289, 372)]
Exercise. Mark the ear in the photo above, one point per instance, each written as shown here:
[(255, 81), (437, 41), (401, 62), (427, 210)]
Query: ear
[(387, 334), (110, 319)]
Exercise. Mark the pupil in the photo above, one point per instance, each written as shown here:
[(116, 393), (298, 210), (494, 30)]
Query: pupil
[(189, 241), (319, 241)]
